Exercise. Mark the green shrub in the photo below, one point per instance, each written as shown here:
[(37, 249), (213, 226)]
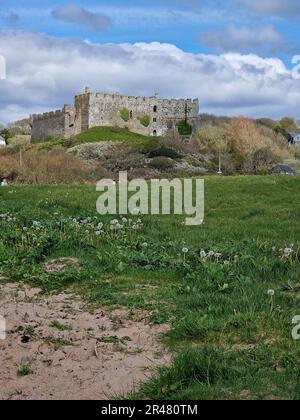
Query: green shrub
[(161, 163), (125, 114), (184, 128), (144, 120), (24, 370), (165, 152), (116, 129), (284, 133)]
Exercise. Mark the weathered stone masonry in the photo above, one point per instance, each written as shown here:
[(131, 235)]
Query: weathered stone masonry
[(53, 124), (150, 116)]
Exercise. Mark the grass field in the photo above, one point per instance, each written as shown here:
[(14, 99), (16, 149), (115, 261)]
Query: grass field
[(230, 299)]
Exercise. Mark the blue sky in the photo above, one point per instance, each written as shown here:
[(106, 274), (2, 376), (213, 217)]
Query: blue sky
[(243, 44), (192, 25)]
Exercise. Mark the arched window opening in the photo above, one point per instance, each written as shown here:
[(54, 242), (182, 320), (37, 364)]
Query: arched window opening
[(155, 108)]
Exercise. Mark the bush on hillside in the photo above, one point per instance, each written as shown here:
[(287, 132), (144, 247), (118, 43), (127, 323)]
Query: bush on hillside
[(161, 163), (288, 123), (247, 142), (229, 165), (264, 160), (116, 129), (184, 128), (213, 138), (9, 167), (284, 133), (165, 152), (174, 141)]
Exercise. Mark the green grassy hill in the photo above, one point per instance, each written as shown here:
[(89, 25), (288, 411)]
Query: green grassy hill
[(97, 134)]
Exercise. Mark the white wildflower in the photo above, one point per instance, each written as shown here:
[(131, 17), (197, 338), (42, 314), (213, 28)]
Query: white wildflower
[(288, 252), (202, 254)]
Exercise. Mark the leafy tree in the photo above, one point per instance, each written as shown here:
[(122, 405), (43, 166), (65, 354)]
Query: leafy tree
[(284, 133), (184, 128), (267, 122), (245, 136), (288, 123), (213, 138)]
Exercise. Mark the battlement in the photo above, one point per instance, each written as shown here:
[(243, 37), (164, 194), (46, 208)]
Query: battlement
[(52, 114), (47, 115), (113, 96), (119, 96)]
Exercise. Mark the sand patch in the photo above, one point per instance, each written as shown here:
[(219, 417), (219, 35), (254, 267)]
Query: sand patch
[(69, 352), (62, 264)]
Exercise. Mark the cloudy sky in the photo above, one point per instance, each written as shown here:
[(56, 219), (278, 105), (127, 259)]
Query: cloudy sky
[(234, 55)]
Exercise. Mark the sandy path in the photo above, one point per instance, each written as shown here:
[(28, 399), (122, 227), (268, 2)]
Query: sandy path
[(85, 369)]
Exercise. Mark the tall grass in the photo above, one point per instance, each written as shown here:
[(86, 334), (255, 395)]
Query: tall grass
[(55, 167)]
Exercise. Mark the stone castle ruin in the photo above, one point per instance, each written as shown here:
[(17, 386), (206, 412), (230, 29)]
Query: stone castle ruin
[(150, 116)]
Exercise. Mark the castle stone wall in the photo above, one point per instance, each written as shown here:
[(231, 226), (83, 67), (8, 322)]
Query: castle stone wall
[(58, 123), (105, 109), (100, 109)]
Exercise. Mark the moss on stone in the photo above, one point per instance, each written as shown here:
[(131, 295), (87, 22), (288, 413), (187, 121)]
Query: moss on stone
[(144, 120), (125, 114)]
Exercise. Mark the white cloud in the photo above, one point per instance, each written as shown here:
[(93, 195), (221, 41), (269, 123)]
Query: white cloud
[(45, 72)]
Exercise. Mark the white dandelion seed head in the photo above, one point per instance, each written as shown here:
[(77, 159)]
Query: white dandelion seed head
[(203, 254)]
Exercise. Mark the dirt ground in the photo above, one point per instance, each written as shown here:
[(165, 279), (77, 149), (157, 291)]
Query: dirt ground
[(56, 349)]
